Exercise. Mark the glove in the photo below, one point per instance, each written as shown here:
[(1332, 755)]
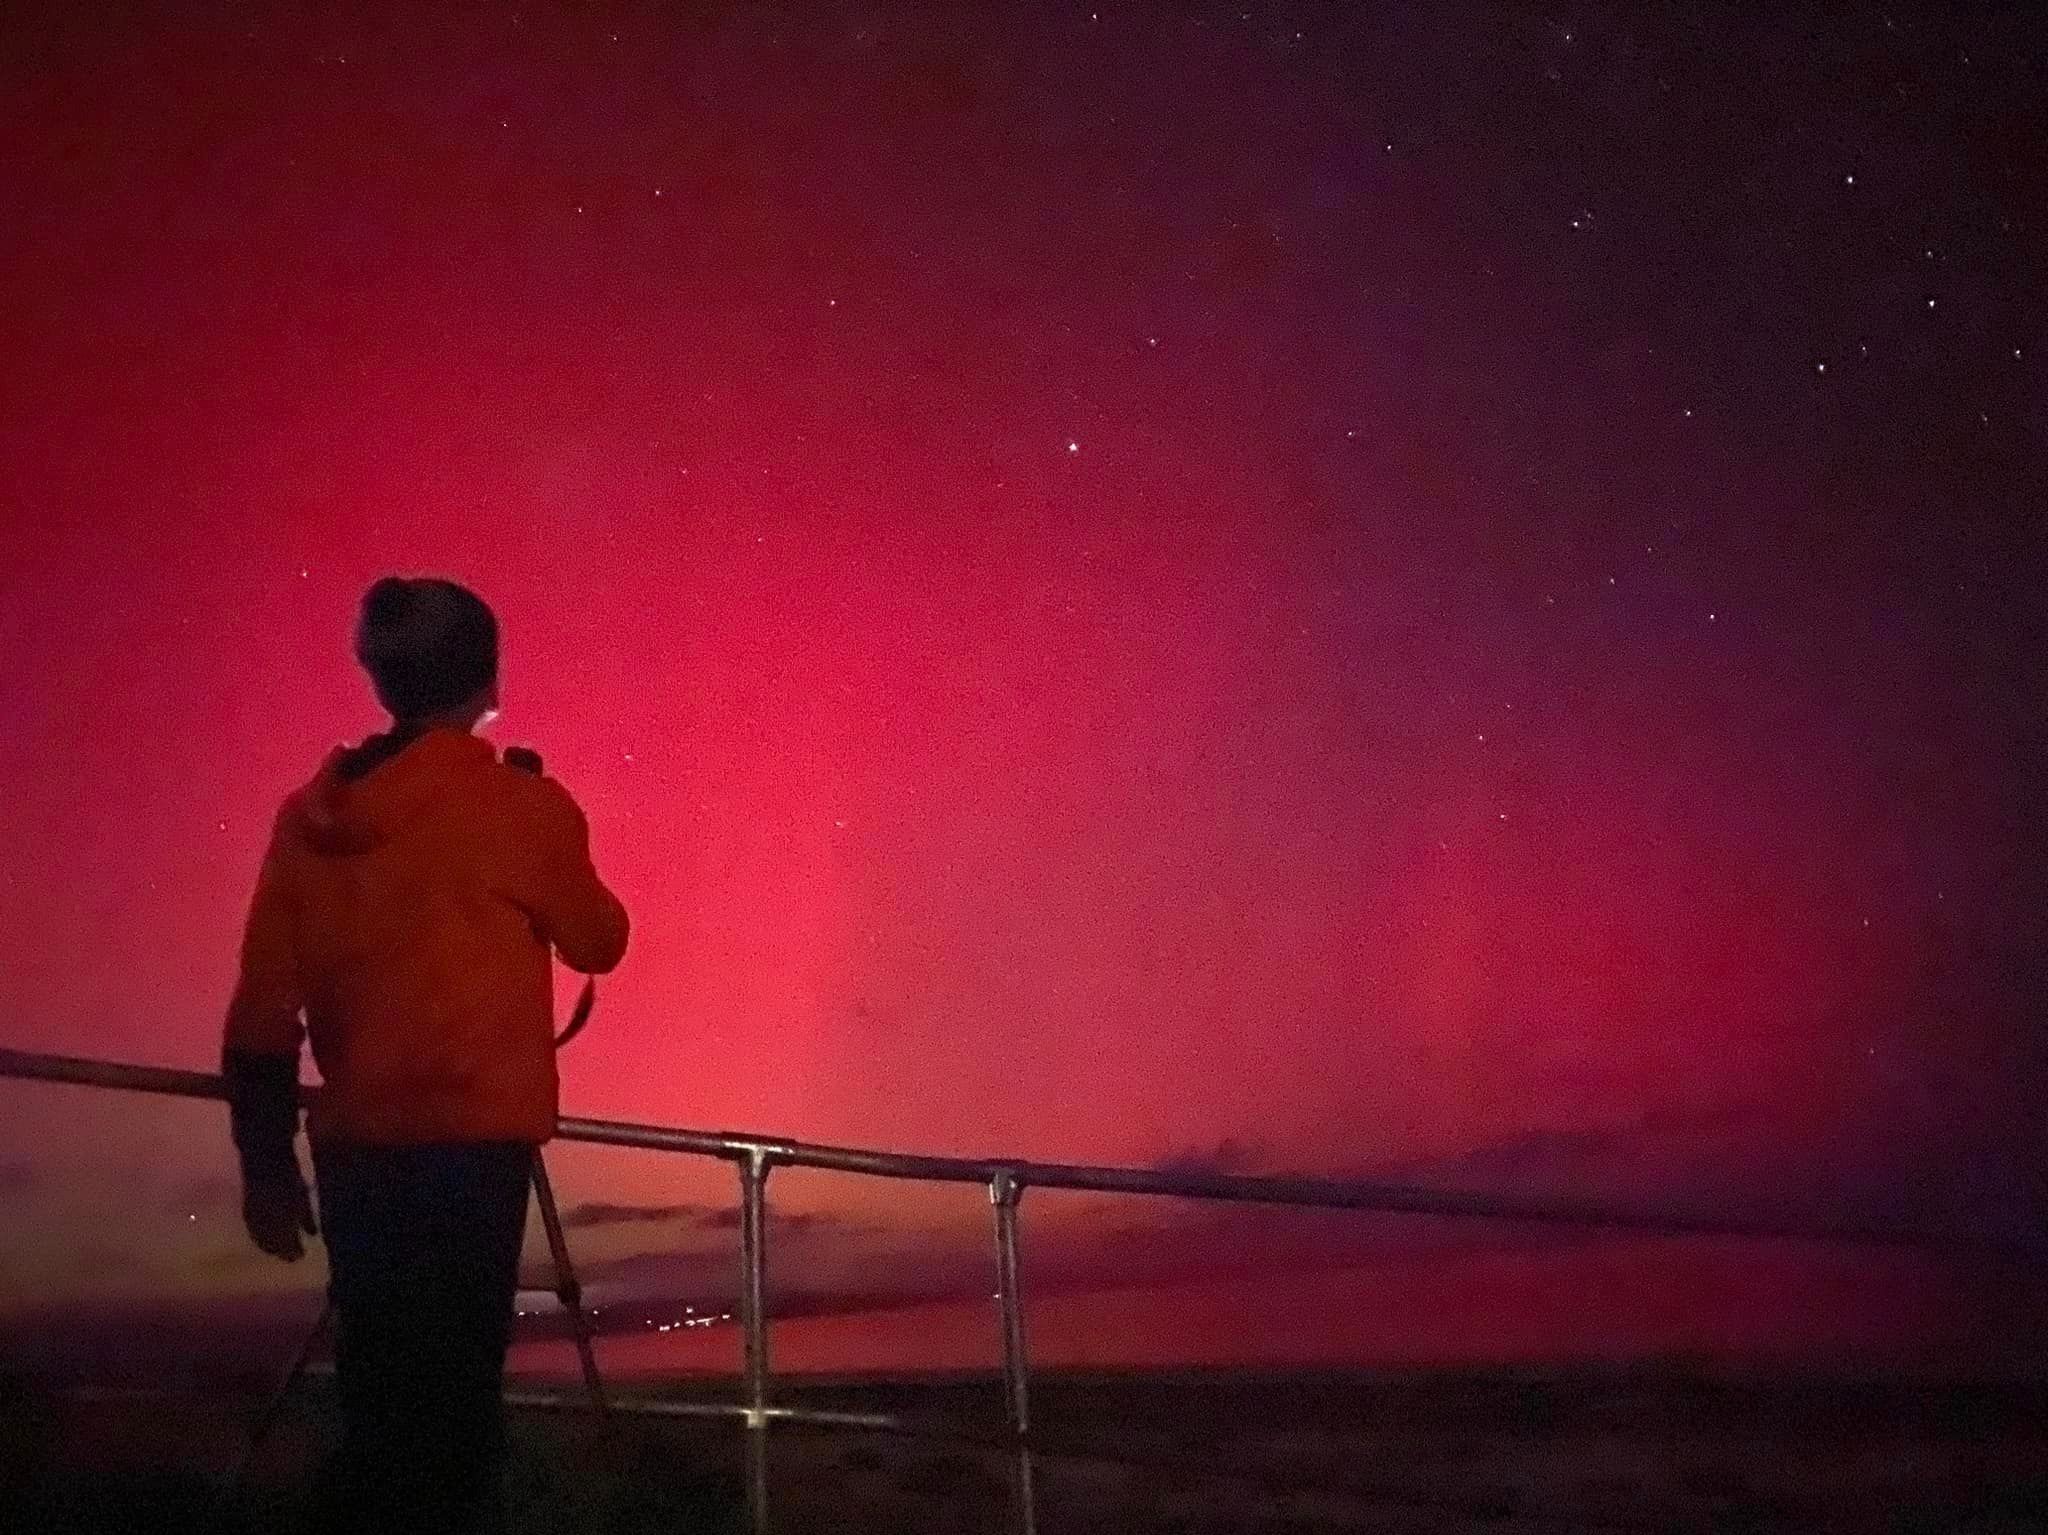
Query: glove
[(277, 1211), (263, 1109)]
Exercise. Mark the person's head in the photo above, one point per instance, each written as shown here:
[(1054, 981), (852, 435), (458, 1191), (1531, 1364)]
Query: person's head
[(431, 649)]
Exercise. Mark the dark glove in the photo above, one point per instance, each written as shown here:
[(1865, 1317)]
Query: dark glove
[(276, 1211), (263, 1110)]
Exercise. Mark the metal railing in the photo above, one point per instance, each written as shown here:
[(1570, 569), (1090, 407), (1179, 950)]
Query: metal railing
[(756, 1156)]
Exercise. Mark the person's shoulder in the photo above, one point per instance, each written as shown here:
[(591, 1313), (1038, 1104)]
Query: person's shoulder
[(302, 798)]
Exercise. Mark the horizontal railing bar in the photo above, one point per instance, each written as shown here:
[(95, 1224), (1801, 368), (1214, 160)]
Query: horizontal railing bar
[(37, 1067), (1317, 1193), (658, 1407)]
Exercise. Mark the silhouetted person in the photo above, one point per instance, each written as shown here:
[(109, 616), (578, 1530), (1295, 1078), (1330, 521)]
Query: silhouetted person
[(407, 904)]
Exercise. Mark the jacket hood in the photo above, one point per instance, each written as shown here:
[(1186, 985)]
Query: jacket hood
[(340, 817)]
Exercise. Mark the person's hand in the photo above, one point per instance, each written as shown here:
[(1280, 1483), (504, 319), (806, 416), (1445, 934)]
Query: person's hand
[(276, 1211)]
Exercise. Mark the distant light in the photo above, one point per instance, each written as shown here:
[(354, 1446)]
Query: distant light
[(1073, 447)]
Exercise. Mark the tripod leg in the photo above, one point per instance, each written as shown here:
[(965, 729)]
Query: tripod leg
[(267, 1419), (567, 1287)]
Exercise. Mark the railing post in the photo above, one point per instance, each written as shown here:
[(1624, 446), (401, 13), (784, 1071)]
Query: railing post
[(753, 1239), (567, 1289), (1003, 1192)]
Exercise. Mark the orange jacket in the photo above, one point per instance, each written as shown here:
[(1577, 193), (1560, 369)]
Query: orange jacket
[(410, 915)]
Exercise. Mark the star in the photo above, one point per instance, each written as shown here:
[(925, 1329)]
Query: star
[(1073, 447)]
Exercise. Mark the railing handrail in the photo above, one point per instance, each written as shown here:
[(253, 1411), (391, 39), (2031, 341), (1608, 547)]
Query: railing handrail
[(1318, 1193)]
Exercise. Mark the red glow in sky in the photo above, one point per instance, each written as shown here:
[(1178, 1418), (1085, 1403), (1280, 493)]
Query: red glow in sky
[(1076, 638)]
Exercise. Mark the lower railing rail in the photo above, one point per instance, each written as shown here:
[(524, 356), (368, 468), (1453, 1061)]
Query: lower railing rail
[(757, 1156)]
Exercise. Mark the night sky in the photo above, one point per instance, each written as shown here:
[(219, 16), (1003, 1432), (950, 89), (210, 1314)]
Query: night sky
[(1412, 590)]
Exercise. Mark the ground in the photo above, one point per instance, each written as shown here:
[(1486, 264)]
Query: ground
[(1193, 1455)]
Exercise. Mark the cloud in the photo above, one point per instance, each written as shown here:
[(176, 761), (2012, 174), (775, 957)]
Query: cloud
[(1653, 1148), (600, 1213), (810, 1253), (793, 1223), (697, 1217), (1229, 1157)]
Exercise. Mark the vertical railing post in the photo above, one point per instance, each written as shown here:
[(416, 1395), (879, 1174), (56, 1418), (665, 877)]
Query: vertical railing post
[(1003, 1191), (753, 1239), (567, 1289)]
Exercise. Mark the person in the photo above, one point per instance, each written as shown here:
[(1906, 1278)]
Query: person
[(407, 906)]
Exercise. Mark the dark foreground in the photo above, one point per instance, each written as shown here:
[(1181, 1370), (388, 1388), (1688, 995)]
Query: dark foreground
[(1426, 1452)]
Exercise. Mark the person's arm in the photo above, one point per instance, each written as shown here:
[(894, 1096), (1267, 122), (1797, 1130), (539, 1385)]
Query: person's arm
[(557, 886), (260, 1062)]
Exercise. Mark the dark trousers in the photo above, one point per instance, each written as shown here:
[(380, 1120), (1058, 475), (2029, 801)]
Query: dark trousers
[(423, 1262)]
